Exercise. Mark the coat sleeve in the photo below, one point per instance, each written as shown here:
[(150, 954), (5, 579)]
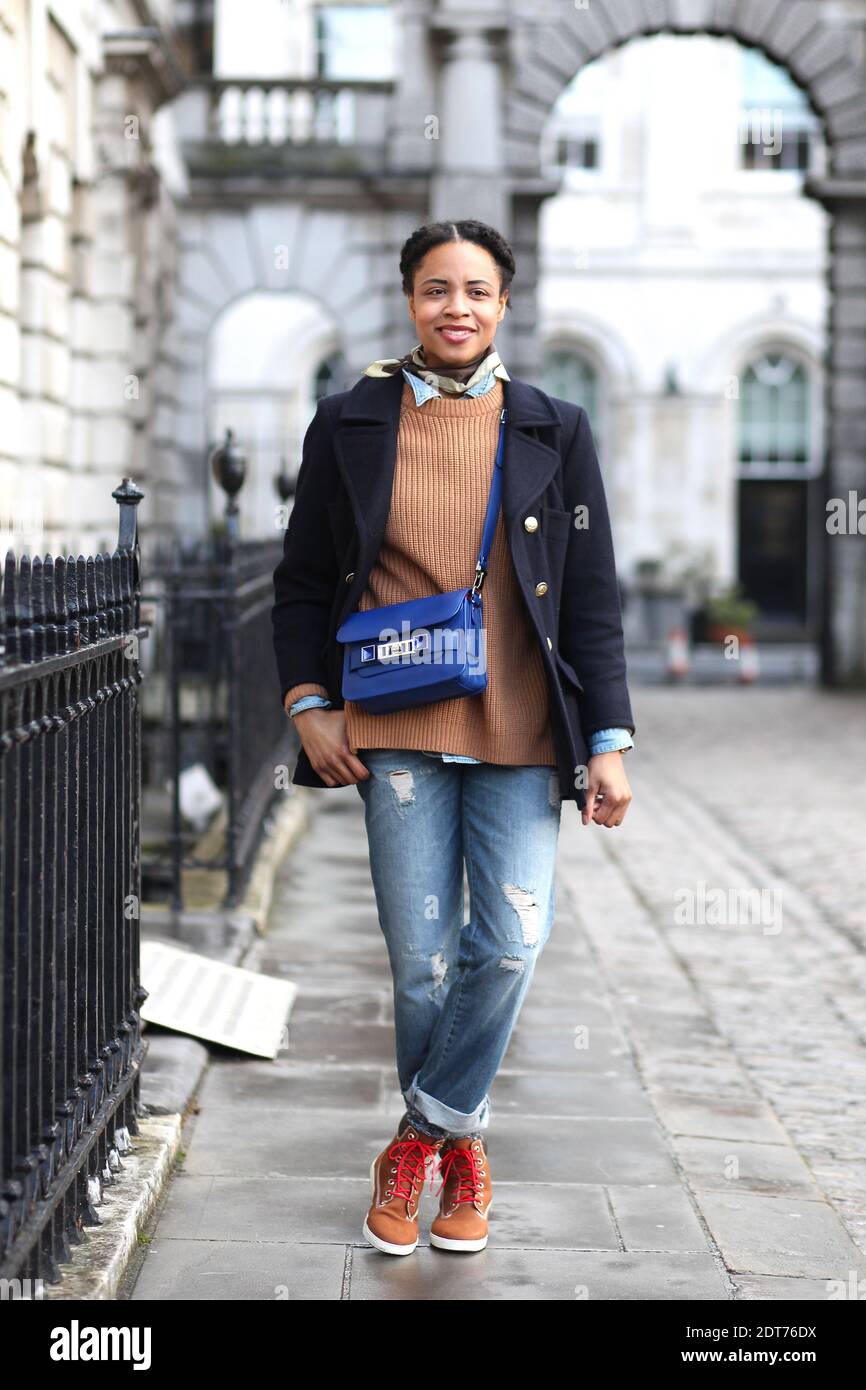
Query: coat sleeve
[(590, 615), (305, 580)]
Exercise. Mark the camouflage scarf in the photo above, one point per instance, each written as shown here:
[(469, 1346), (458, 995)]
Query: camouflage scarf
[(449, 385)]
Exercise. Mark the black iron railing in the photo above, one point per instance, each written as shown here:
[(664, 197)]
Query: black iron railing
[(70, 1031), (214, 633), (215, 649)]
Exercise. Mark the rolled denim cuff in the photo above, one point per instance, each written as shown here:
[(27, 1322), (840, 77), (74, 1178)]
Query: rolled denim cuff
[(609, 741), (309, 702)]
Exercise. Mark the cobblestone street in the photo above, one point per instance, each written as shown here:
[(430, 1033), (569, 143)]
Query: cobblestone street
[(682, 1110)]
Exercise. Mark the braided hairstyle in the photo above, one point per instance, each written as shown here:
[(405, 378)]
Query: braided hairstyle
[(423, 239)]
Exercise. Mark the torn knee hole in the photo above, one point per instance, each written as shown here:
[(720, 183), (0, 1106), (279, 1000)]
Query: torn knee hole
[(440, 966), (513, 963), (524, 904), (403, 785)]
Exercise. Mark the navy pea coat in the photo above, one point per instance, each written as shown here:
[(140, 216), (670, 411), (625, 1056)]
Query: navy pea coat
[(550, 474)]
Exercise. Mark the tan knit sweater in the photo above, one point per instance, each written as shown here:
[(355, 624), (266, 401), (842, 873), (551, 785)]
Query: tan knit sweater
[(442, 475)]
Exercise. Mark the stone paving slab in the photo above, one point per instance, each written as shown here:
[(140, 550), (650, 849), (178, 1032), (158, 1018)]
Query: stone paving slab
[(767, 1288), (656, 1218), (539, 1276), (723, 1163), (547, 1051), (294, 1087), (240, 1270), (315, 1040), (358, 1006), (779, 1235), (575, 1006), (719, 1118), (273, 1142), (579, 1151), (542, 1096), (282, 1210)]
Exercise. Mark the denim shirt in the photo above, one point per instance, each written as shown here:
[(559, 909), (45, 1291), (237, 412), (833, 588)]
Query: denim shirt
[(602, 740)]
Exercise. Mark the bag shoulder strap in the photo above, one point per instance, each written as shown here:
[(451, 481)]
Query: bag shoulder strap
[(492, 514)]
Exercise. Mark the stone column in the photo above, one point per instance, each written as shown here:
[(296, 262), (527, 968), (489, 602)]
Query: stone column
[(469, 176), (131, 249), (468, 179), (844, 625), (524, 347), (42, 270), (411, 141)]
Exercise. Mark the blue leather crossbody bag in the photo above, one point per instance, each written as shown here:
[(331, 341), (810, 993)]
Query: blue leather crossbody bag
[(423, 649)]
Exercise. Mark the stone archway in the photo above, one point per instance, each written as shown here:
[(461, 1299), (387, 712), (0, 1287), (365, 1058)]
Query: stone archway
[(817, 49), (263, 350), (239, 247)]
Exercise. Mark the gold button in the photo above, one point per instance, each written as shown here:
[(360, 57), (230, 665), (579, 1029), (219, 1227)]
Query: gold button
[(541, 588), (350, 577), (550, 644), (531, 523)]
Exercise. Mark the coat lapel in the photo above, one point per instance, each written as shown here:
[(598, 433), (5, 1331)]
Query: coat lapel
[(365, 444), (533, 462)]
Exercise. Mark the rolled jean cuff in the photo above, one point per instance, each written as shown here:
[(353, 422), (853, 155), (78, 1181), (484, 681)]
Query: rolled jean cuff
[(455, 1122)]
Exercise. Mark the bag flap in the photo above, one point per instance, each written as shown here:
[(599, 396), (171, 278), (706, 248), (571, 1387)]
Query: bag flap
[(431, 611)]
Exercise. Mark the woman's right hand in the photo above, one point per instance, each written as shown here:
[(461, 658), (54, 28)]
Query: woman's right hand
[(323, 735)]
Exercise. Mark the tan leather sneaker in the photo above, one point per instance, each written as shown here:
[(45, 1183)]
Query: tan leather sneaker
[(398, 1175), (465, 1196)]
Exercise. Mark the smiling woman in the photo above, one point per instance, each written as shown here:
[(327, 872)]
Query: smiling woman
[(390, 505), (457, 292)]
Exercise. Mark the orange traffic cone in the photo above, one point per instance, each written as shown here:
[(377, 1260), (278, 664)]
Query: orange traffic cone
[(749, 666), (678, 653)]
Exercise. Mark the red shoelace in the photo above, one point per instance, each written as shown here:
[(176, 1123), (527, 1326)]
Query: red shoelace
[(411, 1158), (469, 1185)]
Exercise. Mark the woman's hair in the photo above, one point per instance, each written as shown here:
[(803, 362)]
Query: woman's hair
[(423, 239)]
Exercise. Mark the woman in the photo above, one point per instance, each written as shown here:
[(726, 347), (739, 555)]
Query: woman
[(389, 506)]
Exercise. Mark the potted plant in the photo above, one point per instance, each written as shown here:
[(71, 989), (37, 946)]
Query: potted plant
[(729, 614)]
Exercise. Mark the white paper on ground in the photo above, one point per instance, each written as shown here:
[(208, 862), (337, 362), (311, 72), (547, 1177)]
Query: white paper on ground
[(221, 1003)]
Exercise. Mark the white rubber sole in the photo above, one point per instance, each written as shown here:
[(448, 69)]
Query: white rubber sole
[(386, 1246), (445, 1243)]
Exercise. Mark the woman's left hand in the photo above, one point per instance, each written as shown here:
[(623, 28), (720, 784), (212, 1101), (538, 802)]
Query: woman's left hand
[(606, 776)]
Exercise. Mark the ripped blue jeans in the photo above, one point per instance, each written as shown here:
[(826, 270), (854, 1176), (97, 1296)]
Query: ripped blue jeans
[(458, 986)]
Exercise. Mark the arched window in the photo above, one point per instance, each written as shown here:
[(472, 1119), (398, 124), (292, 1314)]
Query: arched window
[(569, 375), (774, 418), (571, 139), (775, 455), (268, 351)]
